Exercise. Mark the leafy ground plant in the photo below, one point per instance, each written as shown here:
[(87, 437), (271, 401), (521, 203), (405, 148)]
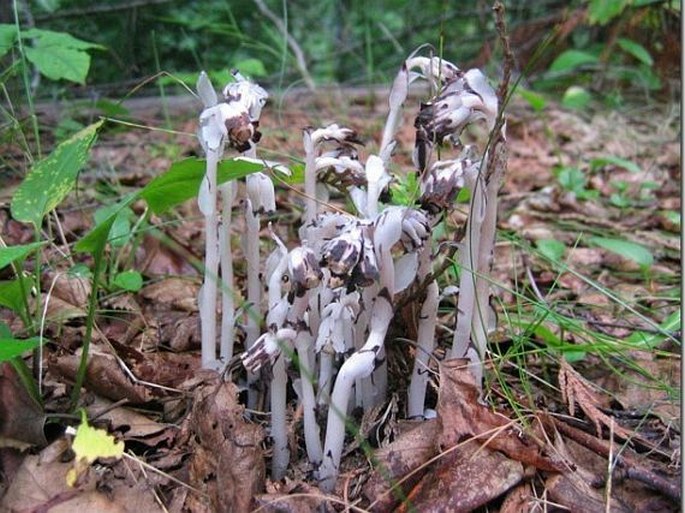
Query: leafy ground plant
[(360, 295)]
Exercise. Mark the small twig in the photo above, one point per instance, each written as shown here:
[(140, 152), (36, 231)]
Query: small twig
[(632, 468), (292, 43)]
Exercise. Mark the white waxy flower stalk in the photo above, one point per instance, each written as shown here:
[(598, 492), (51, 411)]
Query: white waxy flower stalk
[(360, 365), (312, 139), (306, 275)]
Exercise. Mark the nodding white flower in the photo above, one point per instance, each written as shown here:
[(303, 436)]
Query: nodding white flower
[(435, 70), (441, 184), (304, 270), (337, 328), (463, 100), (247, 93), (267, 348), (205, 90), (366, 272), (332, 132), (341, 254), (415, 229), (260, 191), (341, 168)]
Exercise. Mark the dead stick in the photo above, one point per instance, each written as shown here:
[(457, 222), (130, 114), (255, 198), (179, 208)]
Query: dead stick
[(632, 468)]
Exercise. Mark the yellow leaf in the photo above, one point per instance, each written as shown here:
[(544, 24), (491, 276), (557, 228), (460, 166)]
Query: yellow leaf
[(90, 444)]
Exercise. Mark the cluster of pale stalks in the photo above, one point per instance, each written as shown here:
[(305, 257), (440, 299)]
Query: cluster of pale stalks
[(331, 297)]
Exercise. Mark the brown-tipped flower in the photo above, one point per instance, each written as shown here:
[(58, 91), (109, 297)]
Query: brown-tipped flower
[(366, 271), (441, 184), (466, 98), (341, 168), (333, 132), (304, 270), (341, 254), (415, 229)]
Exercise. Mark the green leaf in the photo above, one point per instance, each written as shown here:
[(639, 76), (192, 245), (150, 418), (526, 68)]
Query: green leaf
[(12, 347), (51, 179), (601, 12), (630, 250), (120, 232), (251, 68), (550, 248), (8, 34), (671, 324), (13, 253), (576, 97), (535, 100), (636, 50), (183, 179), (572, 59), (131, 281), (628, 165), (12, 295), (571, 178), (96, 239), (58, 55)]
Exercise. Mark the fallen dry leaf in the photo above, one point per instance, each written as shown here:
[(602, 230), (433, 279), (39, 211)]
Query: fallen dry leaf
[(227, 462), (406, 454), (463, 480), (463, 416)]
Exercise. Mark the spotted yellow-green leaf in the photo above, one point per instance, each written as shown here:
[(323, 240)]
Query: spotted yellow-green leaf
[(51, 179), (90, 444)]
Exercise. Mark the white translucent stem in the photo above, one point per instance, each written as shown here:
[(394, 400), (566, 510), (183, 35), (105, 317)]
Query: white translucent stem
[(227, 287), (254, 290), (359, 365), (325, 376), (480, 321), (468, 259), (312, 435), (424, 348), (208, 292), (310, 205), (279, 432)]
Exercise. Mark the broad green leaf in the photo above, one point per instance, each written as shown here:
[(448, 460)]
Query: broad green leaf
[(130, 281), (51, 179), (535, 100), (58, 55), (12, 347), (8, 34), (96, 239), (183, 179), (631, 250), (576, 97), (572, 59), (636, 50), (571, 178), (251, 68), (601, 12), (13, 253), (551, 249), (120, 233), (615, 161), (12, 295)]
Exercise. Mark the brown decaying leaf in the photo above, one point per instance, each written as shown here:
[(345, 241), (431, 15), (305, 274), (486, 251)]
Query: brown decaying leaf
[(576, 390), (406, 454), (519, 500), (177, 293), (462, 416), (464, 479), (21, 419), (103, 377), (40, 486), (574, 494), (226, 461)]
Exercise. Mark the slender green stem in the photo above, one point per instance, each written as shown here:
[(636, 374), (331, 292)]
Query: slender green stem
[(24, 374), (98, 254)]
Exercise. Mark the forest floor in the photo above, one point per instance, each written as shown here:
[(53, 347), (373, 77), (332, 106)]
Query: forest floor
[(581, 403)]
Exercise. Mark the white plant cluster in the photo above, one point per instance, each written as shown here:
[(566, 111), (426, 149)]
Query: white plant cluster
[(331, 297)]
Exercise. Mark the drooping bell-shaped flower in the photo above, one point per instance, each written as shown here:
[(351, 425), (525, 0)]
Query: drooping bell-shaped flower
[(304, 270), (267, 348), (260, 191), (341, 254), (337, 328)]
